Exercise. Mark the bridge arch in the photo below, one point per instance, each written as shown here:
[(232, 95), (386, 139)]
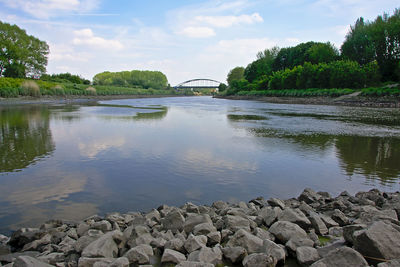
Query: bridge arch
[(198, 83)]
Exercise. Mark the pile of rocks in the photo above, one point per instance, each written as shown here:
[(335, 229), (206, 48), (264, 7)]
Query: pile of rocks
[(314, 230)]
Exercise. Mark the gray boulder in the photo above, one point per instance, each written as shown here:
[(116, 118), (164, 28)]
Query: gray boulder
[(263, 234), (336, 231), (194, 264), (105, 246), (244, 239), (52, 258), (274, 250), (318, 224), (139, 254), (349, 230), (173, 221), (234, 254), (297, 241), (195, 242), (205, 254), (194, 220), (204, 229), (269, 215), (306, 255), (309, 196), (235, 222), (104, 226), (172, 256), (391, 263), (380, 240), (259, 260), (344, 256), (329, 222), (284, 230), (213, 238), (175, 244), (119, 262), (295, 216), (275, 202), (340, 217), (27, 261), (90, 262)]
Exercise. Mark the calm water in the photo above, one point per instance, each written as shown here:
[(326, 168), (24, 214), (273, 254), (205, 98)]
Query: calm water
[(72, 161)]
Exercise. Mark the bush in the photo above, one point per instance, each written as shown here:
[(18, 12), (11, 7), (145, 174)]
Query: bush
[(58, 90), (91, 90), (30, 88)]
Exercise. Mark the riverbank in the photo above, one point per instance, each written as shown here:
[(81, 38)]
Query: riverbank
[(314, 229), (352, 100)]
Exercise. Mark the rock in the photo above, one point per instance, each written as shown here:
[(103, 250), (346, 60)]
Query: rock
[(263, 234), (153, 215), (120, 262), (68, 244), (340, 218), (318, 224), (269, 215), (336, 231), (82, 229), (195, 220), (36, 244), (234, 254), (194, 264), (219, 205), (139, 254), (105, 246), (344, 256), (172, 256), (208, 255), (27, 261), (24, 236), (13, 256), (391, 263), (72, 233), (284, 230), (4, 249), (272, 249), (52, 258), (329, 222), (380, 240), (369, 214), (104, 226), (195, 242), (295, 216), (274, 202), (90, 262), (204, 229), (348, 231), (306, 255), (173, 221), (244, 239), (334, 246), (213, 238), (297, 241), (234, 223), (259, 260), (309, 196), (175, 244)]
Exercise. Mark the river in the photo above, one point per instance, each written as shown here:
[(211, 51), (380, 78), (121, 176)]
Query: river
[(73, 161)]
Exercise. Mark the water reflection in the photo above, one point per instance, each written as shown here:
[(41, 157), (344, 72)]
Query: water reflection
[(24, 137)]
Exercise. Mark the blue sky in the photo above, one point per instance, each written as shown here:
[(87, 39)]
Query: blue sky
[(185, 39)]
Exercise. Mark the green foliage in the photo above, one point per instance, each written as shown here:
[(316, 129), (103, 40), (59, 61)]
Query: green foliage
[(377, 40), (21, 54), (135, 78), (234, 75), (261, 66), (64, 78), (222, 87), (298, 92)]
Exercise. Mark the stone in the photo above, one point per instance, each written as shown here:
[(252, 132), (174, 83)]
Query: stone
[(297, 241), (295, 216), (272, 249), (275, 202), (105, 246), (153, 215), (380, 240), (244, 239), (284, 230), (195, 220), (219, 205), (334, 246), (175, 244), (4, 249), (306, 255), (329, 222), (139, 254), (208, 255), (318, 224), (349, 230), (336, 231), (234, 254), (173, 221), (258, 260), (27, 261), (172, 256), (204, 229), (90, 262), (269, 215), (263, 234), (83, 242), (213, 238), (119, 262), (72, 233), (344, 256), (195, 242), (68, 244), (309, 196), (34, 245), (82, 229), (391, 263), (235, 222), (24, 236), (340, 217), (194, 264), (369, 214), (104, 226), (13, 256), (52, 258)]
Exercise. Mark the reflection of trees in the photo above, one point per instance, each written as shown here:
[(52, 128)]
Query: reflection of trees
[(370, 156), (24, 136)]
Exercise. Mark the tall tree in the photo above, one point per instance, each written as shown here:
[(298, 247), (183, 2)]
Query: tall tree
[(262, 66), (21, 54), (235, 74)]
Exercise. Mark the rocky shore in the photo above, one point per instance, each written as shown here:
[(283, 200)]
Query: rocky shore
[(314, 229)]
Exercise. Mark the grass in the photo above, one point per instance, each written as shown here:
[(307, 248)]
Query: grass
[(323, 240), (15, 87)]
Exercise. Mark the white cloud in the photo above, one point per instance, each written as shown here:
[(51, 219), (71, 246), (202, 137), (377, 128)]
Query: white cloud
[(198, 32), (51, 8), (87, 37), (228, 21)]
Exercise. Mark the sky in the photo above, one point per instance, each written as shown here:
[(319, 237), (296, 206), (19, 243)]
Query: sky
[(185, 39)]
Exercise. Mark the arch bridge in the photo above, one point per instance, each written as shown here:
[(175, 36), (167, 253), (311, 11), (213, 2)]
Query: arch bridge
[(198, 84)]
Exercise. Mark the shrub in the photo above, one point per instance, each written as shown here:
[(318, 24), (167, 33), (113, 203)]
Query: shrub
[(58, 90), (30, 88), (91, 90)]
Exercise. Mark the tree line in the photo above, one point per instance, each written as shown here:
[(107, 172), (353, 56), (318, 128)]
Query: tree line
[(369, 55)]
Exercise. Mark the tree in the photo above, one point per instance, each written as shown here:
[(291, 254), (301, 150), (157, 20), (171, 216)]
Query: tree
[(261, 66), (222, 87), (235, 74), (21, 54)]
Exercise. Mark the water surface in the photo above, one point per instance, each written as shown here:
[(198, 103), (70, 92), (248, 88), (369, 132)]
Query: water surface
[(72, 161)]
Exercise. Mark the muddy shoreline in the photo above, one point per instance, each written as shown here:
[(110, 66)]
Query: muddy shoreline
[(356, 101)]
